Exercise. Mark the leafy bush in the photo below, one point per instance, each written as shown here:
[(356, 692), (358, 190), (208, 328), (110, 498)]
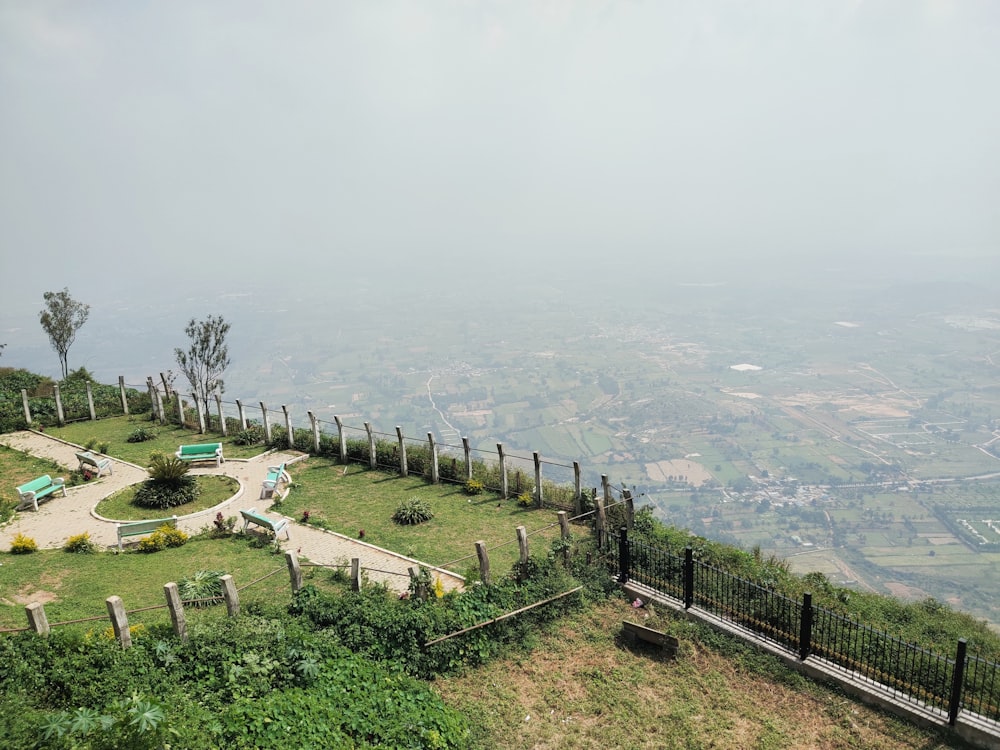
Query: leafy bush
[(526, 499), (169, 484), (23, 545), (140, 435), (252, 435), (412, 511), (473, 487), (164, 537), (81, 544), (202, 589)]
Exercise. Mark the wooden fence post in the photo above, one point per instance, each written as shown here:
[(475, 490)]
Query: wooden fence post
[(355, 574), (231, 595), (176, 608), (201, 413), (242, 414), (504, 489), (435, 475), (577, 490), (340, 439), (267, 423), (484, 562), (223, 428), (403, 468), (90, 402), (294, 571), (315, 430), (468, 459), (119, 620), (121, 391), (288, 427), (564, 534), (538, 478), (60, 415), (372, 462), (37, 620)]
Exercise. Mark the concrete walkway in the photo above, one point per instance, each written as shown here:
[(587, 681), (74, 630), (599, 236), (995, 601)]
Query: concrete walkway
[(61, 517)]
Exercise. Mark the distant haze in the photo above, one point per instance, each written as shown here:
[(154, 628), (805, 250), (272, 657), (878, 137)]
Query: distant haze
[(159, 149)]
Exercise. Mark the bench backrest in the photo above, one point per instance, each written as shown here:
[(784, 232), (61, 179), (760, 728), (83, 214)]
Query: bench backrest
[(140, 527), (200, 449), (256, 518), (87, 458), (35, 484)]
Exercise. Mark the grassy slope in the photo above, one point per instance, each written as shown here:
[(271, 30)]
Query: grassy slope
[(577, 685), (580, 688)]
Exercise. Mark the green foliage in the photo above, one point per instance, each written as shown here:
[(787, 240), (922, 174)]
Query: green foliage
[(80, 544), (140, 435), (526, 499), (412, 511), (164, 537), (201, 589), (23, 545), (252, 435), (206, 358), (166, 469), (473, 487), (61, 318), (169, 484)]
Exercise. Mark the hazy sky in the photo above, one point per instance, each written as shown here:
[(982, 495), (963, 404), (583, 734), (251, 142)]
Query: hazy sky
[(310, 142)]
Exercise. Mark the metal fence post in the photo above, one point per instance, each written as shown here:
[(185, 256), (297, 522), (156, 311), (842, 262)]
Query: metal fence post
[(806, 626), (688, 577), (624, 558), (957, 678)]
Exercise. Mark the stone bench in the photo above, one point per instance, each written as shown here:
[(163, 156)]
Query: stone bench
[(201, 452), (633, 632), (40, 488), (141, 528), (91, 463), (275, 526)]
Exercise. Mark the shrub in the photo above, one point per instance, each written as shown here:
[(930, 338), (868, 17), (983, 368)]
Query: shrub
[(104, 447), (140, 435), (23, 545), (202, 589), (169, 484), (80, 543), (223, 526), (473, 487), (526, 499), (163, 537), (412, 511), (252, 435)]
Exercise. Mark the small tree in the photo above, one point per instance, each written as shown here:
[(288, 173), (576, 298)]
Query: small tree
[(207, 358), (62, 318)]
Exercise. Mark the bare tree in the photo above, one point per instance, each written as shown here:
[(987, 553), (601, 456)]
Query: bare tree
[(207, 358), (62, 318)]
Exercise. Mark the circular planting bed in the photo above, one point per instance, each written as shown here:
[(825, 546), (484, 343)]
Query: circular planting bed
[(214, 489)]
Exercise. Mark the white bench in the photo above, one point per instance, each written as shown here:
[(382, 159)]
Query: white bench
[(276, 525), (93, 461), (275, 475), (141, 528)]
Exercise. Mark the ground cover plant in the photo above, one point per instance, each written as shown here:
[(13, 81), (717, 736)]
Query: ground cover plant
[(349, 498), (115, 433), (212, 490)]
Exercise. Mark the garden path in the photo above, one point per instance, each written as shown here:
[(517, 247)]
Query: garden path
[(61, 517)]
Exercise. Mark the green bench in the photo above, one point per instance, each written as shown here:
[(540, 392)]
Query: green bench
[(253, 517), (201, 452), (141, 528), (40, 488), (94, 464), (275, 476)]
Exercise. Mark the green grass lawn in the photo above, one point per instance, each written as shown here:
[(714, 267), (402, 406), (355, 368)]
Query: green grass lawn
[(350, 498), (213, 489), (74, 586), (115, 431)]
